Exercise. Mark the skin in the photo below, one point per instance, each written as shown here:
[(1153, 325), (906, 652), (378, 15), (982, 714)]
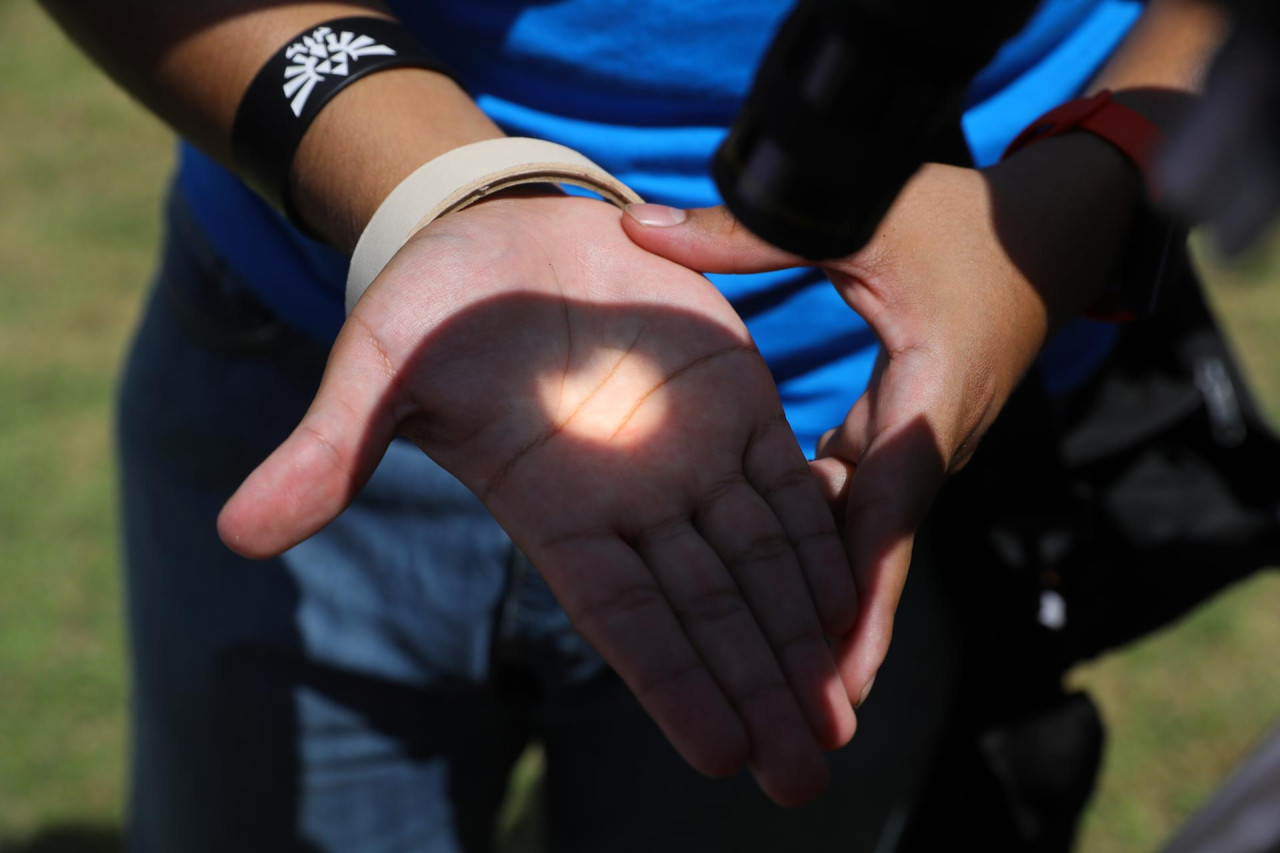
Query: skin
[(612, 412), (963, 282), (607, 403), (713, 525)]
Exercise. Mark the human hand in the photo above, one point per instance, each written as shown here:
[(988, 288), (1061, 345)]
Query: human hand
[(961, 284), (610, 409)]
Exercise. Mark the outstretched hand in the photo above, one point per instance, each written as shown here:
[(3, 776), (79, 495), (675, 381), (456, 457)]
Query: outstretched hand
[(959, 321), (613, 414)]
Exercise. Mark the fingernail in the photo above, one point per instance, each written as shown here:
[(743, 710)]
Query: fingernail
[(656, 214), (866, 691)]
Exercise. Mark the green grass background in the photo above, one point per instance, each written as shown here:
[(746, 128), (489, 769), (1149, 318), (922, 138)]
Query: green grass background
[(81, 172)]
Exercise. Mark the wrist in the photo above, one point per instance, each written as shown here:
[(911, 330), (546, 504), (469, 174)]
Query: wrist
[(1165, 108), (1064, 209), (1105, 146), (458, 179), (365, 142)]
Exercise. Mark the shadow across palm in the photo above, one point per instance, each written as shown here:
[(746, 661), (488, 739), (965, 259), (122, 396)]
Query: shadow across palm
[(612, 412)]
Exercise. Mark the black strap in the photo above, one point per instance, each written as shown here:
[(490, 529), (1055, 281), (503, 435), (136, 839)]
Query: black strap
[(296, 83)]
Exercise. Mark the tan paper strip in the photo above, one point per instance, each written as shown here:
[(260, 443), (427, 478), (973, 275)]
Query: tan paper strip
[(462, 177)]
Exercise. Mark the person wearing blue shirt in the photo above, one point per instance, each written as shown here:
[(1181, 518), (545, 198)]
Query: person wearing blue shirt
[(371, 684)]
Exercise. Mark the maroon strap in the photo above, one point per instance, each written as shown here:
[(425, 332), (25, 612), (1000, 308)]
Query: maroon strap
[(1137, 138), (1132, 133)]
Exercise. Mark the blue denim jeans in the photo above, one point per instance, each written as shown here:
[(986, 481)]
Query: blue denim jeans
[(370, 689)]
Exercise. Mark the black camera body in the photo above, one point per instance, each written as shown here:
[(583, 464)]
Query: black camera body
[(846, 106)]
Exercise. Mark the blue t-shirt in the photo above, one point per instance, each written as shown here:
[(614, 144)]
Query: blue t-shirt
[(647, 89)]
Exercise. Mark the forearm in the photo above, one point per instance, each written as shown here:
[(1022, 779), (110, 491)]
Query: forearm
[(191, 65), (1169, 48), (1064, 207), (1160, 68)]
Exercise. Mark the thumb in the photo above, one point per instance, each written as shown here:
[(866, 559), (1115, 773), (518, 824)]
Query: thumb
[(887, 499), (320, 467), (707, 239)]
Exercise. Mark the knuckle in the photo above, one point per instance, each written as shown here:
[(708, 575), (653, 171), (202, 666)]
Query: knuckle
[(767, 427), (789, 480), (669, 680), (321, 440), (824, 535), (622, 602), (660, 532), (377, 348), (762, 550), (710, 608), (803, 642), (722, 488), (774, 690)]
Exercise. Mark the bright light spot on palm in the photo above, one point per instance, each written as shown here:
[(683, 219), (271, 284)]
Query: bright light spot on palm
[(618, 396)]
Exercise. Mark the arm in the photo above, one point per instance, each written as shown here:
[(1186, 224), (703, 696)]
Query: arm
[(1169, 48), (607, 405), (191, 64), (962, 284)]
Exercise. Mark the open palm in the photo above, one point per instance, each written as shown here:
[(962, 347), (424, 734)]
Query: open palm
[(610, 409)]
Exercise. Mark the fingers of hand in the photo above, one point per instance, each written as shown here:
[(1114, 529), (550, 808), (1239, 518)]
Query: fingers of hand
[(761, 562), (619, 606), (719, 621), (888, 497), (707, 239), (778, 471), (318, 470), (850, 440)]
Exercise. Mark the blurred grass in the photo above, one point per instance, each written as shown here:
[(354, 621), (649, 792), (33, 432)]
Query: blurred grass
[(1185, 705), (81, 171)]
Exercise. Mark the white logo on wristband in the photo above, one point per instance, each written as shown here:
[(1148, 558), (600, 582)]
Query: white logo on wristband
[(324, 54)]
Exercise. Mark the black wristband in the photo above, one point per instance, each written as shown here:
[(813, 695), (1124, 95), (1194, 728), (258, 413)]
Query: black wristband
[(298, 81)]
